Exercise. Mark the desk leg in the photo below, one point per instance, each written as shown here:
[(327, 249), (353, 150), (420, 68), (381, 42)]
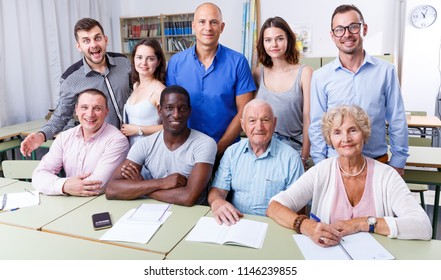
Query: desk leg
[(435, 211)]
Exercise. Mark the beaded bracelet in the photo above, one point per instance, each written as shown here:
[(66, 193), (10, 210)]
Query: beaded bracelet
[(298, 222)]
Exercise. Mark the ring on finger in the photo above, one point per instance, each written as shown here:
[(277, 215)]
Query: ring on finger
[(321, 240)]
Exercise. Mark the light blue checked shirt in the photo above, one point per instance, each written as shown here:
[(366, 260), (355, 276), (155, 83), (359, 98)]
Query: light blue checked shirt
[(253, 180)]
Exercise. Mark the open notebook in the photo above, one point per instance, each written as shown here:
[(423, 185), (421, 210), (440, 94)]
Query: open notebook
[(244, 233), (359, 246)]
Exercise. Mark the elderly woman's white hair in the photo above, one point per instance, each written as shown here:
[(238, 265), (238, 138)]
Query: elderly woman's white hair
[(335, 117)]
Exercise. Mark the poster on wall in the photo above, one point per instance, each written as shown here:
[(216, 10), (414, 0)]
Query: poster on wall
[(303, 39)]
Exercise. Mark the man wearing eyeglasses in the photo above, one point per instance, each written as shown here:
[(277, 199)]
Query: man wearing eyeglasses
[(356, 78)]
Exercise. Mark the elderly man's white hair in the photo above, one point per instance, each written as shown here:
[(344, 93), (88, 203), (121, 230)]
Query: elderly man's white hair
[(256, 103)]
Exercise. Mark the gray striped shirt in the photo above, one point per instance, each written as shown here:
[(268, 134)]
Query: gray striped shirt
[(79, 77)]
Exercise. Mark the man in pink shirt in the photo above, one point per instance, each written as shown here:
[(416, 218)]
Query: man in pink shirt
[(88, 153)]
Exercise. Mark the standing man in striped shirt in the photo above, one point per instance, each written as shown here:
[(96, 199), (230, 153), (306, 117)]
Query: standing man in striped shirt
[(254, 169), (101, 70)]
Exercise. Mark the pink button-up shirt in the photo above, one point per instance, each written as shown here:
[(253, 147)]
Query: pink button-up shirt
[(101, 154)]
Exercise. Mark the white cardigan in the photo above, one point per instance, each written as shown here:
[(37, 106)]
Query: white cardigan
[(393, 201)]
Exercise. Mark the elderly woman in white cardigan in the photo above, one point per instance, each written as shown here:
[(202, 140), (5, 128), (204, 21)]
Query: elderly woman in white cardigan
[(350, 192)]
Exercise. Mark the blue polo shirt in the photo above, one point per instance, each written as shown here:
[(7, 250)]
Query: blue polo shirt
[(212, 91)]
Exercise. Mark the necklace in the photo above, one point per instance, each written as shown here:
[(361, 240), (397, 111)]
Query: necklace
[(349, 174)]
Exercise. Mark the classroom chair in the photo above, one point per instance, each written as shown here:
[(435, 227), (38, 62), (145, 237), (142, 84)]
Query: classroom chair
[(9, 145), (417, 188), (6, 146), (19, 169)]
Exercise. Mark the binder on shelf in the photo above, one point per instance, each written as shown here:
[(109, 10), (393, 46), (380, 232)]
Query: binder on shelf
[(187, 27)]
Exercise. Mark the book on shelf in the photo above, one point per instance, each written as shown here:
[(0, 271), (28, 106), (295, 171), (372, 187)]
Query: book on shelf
[(178, 44), (153, 30), (188, 27), (144, 30), (125, 31), (245, 233), (126, 47), (136, 31), (129, 31), (358, 246)]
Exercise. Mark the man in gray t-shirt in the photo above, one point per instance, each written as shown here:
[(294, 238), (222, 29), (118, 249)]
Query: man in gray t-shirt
[(172, 165)]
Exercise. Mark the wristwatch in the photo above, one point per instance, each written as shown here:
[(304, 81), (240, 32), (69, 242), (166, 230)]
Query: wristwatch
[(372, 221), (140, 132)]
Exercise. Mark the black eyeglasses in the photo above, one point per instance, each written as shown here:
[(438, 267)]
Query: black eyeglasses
[(353, 28)]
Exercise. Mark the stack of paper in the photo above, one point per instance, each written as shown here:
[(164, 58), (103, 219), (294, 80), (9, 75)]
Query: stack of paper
[(11, 201), (138, 230), (360, 246), (244, 233)]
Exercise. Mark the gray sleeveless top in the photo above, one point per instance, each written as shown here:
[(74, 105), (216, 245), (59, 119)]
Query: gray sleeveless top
[(287, 107)]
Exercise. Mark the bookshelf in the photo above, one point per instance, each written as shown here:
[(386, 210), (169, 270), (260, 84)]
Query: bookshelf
[(174, 32)]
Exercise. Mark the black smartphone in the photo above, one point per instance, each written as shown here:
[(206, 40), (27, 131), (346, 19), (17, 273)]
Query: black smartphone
[(101, 221)]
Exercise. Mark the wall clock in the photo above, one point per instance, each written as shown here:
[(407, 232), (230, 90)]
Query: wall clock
[(423, 16)]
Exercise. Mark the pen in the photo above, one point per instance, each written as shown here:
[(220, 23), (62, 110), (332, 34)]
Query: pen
[(314, 217), (10, 210), (317, 219), (5, 197), (30, 192)]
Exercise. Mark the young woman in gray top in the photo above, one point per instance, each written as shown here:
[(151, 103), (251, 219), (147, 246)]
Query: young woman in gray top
[(284, 83)]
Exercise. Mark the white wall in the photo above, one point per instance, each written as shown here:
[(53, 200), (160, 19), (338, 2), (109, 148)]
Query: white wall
[(421, 57), (416, 55)]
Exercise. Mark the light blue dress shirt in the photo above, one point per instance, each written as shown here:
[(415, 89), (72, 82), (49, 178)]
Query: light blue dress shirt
[(375, 88), (253, 180)]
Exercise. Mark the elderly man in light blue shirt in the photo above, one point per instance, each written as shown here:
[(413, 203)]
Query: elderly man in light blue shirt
[(254, 169), (356, 78)]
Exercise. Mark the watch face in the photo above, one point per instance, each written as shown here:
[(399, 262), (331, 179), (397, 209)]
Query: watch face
[(371, 220), (423, 16)]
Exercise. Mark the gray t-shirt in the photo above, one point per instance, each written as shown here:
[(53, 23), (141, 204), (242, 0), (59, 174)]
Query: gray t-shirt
[(158, 161)]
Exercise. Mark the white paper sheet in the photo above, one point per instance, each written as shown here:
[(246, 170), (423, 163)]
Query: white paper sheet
[(21, 199), (133, 231), (361, 246)]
